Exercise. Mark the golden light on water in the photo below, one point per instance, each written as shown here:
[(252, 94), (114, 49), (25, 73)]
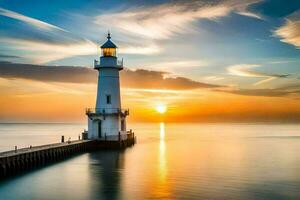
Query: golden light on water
[(161, 108), (162, 151), (162, 131), (162, 184)]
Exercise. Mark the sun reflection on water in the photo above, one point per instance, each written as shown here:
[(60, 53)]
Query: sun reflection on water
[(162, 131), (163, 189), (162, 153)]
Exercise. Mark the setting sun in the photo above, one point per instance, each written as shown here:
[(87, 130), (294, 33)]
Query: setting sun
[(161, 108)]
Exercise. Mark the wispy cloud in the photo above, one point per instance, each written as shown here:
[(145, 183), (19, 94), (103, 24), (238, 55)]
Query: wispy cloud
[(51, 43), (8, 56), (54, 43), (275, 92), (48, 43), (242, 8), (246, 70), (290, 31), (143, 50), (43, 51), (173, 66), (250, 14), (243, 70), (213, 78), (31, 21), (163, 21)]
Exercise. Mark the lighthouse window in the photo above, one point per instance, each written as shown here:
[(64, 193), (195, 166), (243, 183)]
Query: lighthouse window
[(109, 52), (108, 99)]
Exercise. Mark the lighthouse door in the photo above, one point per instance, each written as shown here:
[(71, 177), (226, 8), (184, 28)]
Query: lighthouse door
[(99, 129)]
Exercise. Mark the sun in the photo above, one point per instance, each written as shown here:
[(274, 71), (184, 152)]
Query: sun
[(161, 108)]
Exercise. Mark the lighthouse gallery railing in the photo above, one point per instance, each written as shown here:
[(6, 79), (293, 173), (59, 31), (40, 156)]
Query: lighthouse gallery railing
[(107, 111)]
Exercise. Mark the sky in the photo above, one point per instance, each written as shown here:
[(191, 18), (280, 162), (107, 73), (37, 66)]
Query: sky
[(205, 61)]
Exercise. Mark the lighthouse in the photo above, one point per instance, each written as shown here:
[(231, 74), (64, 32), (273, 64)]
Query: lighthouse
[(107, 121)]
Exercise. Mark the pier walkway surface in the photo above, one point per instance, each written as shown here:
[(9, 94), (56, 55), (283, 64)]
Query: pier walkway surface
[(20, 160), (39, 148)]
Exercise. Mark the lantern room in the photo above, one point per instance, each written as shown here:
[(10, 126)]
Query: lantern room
[(109, 49)]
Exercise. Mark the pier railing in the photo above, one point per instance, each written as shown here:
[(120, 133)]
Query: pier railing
[(107, 111)]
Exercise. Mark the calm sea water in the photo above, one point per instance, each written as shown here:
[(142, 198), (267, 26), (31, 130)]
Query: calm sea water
[(170, 161)]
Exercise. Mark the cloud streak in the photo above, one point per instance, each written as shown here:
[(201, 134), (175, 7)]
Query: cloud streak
[(43, 52), (245, 70), (140, 50), (173, 66), (263, 92), (31, 21), (276, 92), (8, 56), (290, 31)]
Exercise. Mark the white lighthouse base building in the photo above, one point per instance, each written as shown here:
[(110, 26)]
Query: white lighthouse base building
[(107, 124)]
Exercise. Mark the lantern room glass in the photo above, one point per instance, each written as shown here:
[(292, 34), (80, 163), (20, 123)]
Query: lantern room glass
[(109, 52)]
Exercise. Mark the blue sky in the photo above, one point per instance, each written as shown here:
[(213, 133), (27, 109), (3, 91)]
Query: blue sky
[(247, 44)]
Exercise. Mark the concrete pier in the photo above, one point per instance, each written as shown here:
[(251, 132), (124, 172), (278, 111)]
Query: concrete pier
[(20, 160)]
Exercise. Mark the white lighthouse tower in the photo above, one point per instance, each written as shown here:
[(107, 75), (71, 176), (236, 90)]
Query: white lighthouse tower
[(107, 121)]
